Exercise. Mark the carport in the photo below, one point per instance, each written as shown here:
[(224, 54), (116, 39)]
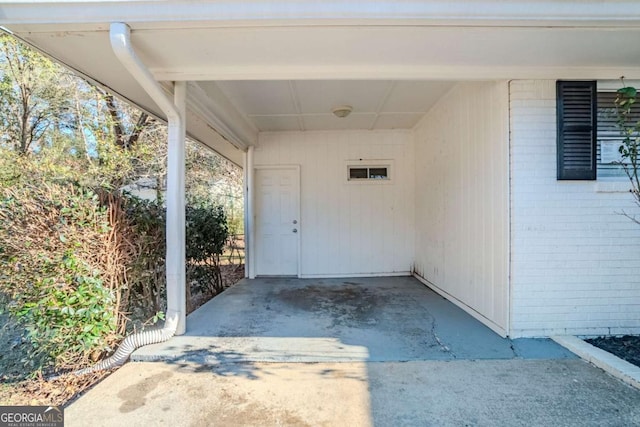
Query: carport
[(384, 319), (430, 173)]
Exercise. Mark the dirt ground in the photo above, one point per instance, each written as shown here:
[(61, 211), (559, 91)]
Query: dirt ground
[(19, 387)]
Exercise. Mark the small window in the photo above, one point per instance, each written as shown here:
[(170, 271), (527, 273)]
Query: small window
[(368, 173), (358, 173), (378, 173)]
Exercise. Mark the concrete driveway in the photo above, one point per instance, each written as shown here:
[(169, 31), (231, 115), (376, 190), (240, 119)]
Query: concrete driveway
[(357, 352)]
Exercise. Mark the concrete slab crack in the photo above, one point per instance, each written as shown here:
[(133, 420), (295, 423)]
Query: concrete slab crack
[(513, 349), (444, 347)]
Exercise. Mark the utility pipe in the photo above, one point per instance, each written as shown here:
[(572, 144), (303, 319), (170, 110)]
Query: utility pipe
[(175, 317)]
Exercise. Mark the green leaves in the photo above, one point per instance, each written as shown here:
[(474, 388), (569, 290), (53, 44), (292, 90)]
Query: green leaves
[(628, 123), (628, 92), (53, 272), (71, 319)]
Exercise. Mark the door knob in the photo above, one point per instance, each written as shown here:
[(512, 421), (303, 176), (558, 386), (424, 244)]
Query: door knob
[(295, 221), (295, 230)]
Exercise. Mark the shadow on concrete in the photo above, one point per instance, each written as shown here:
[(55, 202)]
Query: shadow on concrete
[(222, 362)]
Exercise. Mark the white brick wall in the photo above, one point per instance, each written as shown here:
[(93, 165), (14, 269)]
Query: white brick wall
[(575, 260)]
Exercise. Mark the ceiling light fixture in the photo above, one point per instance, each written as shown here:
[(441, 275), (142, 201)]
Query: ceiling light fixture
[(342, 111)]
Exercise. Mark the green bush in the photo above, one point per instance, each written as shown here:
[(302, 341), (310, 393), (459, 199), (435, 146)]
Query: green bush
[(69, 321), (207, 233), (146, 282), (78, 264), (54, 243)]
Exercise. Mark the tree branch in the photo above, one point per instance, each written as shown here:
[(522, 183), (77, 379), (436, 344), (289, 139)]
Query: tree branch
[(141, 124)]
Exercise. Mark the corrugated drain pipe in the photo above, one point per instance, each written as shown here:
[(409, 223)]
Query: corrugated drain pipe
[(120, 35)]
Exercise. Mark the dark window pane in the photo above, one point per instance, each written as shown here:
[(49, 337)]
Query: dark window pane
[(357, 173), (378, 173)]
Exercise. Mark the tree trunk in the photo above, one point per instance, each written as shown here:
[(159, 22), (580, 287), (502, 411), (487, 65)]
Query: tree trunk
[(116, 122)]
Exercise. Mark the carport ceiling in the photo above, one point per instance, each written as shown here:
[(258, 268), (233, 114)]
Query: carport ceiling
[(308, 104)]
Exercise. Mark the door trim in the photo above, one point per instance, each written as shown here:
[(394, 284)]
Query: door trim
[(296, 168)]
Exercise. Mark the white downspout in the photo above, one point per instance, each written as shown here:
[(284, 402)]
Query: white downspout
[(175, 318), (120, 35), (250, 245)]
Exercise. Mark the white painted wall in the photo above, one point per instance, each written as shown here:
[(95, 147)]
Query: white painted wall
[(575, 260), (349, 229), (462, 189)]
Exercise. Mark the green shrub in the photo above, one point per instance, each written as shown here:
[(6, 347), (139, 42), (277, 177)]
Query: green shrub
[(54, 265), (77, 264), (207, 233), (70, 321), (146, 282)]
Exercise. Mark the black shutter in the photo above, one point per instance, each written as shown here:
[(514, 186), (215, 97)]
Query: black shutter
[(577, 128)]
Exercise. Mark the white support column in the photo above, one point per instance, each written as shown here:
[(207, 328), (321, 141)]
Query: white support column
[(245, 192), (175, 232), (250, 233)]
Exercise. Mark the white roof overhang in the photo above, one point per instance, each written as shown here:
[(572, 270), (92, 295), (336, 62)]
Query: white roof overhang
[(328, 40)]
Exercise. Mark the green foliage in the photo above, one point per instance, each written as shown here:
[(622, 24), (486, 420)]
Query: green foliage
[(70, 319), (628, 123), (53, 238), (207, 233), (146, 271), (207, 230)]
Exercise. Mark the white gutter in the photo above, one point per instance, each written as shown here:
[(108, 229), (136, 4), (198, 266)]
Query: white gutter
[(178, 13), (120, 35)]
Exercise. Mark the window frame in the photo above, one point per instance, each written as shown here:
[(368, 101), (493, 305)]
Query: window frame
[(369, 164)]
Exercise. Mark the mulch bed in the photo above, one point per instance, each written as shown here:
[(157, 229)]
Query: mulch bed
[(626, 347)]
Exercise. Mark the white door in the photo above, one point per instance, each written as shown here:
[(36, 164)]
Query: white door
[(277, 221)]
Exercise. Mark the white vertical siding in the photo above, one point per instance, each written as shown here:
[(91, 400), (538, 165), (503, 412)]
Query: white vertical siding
[(461, 190), (575, 258), (349, 228)]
